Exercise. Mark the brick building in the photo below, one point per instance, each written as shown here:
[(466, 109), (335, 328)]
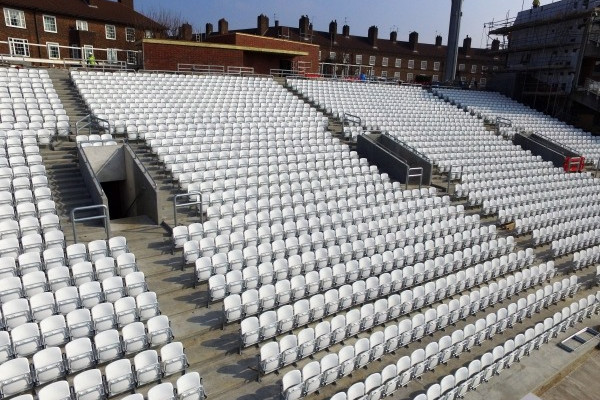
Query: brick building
[(343, 54), (73, 29)]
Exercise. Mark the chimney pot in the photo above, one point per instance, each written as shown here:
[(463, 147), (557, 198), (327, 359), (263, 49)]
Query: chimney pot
[(373, 35), (467, 44), (393, 36), (438, 40), (413, 40), (346, 30)]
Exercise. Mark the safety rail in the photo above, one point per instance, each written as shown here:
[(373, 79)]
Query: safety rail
[(405, 145), (239, 70), (140, 164), (350, 118), (86, 162), (90, 121), (105, 216), (285, 72), (414, 175), (201, 68), (177, 205)]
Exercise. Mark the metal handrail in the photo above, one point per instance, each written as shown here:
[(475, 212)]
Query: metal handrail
[(350, 118), (88, 121), (105, 216), (94, 178), (176, 205), (405, 145), (409, 175), (141, 165)]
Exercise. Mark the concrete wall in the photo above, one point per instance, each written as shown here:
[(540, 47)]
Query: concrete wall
[(138, 191)]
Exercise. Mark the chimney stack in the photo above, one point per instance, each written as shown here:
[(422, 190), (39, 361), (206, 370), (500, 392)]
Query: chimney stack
[(346, 31), (223, 27), (209, 29), (438, 40), (467, 44), (413, 40), (373, 36), (393, 36), (276, 23), (262, 24), (495, 45), (333, 30), (185, 32), (304, 27)]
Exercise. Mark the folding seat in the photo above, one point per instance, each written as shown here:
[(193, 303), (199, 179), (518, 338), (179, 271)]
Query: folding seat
[(147, 305), (189, 387), (159, 330), (89, 384), (76, 253), (48, 365), (79, 355), (16, 376)]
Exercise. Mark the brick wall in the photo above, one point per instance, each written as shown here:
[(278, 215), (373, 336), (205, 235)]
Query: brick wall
[(66, 35), (158, 56)]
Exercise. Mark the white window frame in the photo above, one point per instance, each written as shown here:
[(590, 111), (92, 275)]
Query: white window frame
[(409, 77), (110, 31), (75, 52), (461, 67), (148, 34), (411, 64), (13, 42), (49, 46), (81, 25), (484, 68), (358, 59), (16, 20), (372, 60), (384, 62), (436, 65), (398, 63), (384, 74), (495, 68), (129, 53), (130, 34), (482, 81), (436, 78), (112, 56), (473, 69), (424, 65), (49, 18), (397, 74)]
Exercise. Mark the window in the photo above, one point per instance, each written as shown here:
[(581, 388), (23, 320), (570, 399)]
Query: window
[(398, 63), (473, 69), (130, 34), (111, 32), (358, 58), (148, 34), (397, 75), (384, 74), (482, 81), (332, 55), (75, 52), (409, 77), (111, 55), (461, 67), (81, 25), (411, 64), (495, 68), (436, 78), (53, 50), (19, 47), (423, 64), (371, 60), (132, 57), (384, 62), (87, 51), (484, 68), (49, 24), (463, 78), (436, 66), (319, 54), (14, 18), (346, 58)]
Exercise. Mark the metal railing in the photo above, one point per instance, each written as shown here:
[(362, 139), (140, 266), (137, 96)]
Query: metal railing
[(105, 216), (201, 68), (413, 173), (239, 70), (197, 202), (140, 164), (406, 146), (350, 118), (88, 165), (90, 121)]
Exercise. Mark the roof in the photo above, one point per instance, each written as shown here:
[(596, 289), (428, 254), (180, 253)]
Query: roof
[(172, 42), (104, 10), (357, 44)]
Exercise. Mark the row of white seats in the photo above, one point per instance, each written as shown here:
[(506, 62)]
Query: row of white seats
[(575, 242), (560, 230)]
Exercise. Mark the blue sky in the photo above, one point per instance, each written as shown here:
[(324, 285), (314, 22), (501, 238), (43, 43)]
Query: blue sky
[(428, 17)]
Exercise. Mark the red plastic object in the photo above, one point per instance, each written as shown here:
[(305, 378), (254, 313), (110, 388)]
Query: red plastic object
[(574, 164)]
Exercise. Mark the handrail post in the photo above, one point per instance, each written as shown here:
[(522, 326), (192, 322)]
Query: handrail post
[(449, 178), (105, 216), (198, 201)]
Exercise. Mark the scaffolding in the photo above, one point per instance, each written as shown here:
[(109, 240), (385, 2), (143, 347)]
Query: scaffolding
[(544, 48)]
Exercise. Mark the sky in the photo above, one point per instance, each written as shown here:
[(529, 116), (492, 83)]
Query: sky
[(427, 17)]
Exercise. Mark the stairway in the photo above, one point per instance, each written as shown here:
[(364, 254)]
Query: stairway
[(167, 190), (69, 96)]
